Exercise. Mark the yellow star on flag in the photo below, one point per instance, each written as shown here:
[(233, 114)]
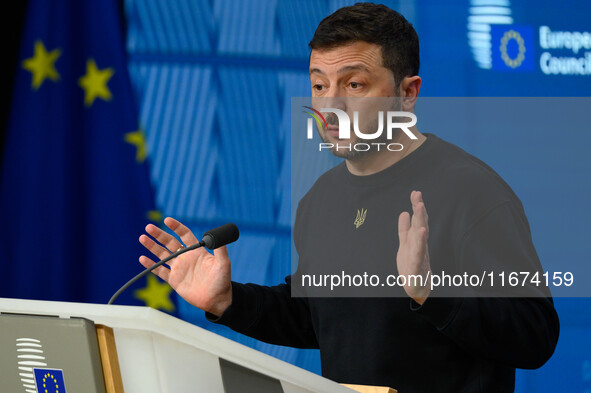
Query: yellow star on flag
[(94, 83), (138, 139), (155, 294), (154, 216), (41, 65)]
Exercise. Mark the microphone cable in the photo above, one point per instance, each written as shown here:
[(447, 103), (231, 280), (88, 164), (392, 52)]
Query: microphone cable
[(154, 266)]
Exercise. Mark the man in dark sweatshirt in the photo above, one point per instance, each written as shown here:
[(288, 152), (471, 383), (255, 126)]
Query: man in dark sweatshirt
[(419, 339)]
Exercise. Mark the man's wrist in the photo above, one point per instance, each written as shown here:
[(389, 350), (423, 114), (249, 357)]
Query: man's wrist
[(222, 304), (240, 313), (420, 298), (420, 293)]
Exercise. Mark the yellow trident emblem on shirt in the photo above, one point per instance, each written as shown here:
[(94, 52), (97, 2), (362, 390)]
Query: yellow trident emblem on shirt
[(360, 219)]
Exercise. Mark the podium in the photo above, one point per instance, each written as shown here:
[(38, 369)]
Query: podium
[(154, 352)]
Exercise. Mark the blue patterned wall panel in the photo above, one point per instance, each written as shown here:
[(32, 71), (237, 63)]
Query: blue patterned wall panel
[(297, 21), (162, 26), (178, 114), (247, 27), (249, 123)]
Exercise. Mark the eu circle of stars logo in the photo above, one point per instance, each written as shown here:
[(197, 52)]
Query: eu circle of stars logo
[(49, 380)]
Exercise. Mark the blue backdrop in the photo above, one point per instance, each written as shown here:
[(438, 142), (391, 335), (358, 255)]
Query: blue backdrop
[(212, 83)]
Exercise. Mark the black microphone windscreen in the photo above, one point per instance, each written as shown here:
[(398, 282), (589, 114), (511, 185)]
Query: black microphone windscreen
[(221, 236)]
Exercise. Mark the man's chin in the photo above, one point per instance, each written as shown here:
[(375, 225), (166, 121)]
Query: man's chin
[(344, 148), (340, 147)]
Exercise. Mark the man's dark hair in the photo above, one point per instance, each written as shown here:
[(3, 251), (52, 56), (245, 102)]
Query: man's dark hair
[(375, 24)]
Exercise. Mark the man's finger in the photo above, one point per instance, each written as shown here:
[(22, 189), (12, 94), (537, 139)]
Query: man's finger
[(221, 254), (416, 197), (403, 226), (166, 239), (156, 249), (182, 231), (160, 271), (419, 217)]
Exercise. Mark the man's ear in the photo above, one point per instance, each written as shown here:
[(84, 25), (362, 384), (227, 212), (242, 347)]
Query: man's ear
[(409, 92)]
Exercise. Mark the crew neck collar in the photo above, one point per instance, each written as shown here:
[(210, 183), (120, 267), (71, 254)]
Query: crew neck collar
[(413, 161)]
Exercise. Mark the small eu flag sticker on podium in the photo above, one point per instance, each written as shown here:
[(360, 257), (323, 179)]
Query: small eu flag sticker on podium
[(49, 380)]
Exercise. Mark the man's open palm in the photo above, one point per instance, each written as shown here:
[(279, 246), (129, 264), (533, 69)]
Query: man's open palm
[(197, 276)]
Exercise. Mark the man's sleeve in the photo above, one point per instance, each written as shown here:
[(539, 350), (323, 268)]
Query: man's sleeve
[(269, 314), (518, 331)]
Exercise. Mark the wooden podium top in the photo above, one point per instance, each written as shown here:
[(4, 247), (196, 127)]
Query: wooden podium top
[(370, 389)]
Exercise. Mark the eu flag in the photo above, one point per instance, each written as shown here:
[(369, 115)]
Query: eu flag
[(513, 48), (75, 192), (49, 380)]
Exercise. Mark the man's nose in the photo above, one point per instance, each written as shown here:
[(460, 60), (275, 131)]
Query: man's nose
[(333, 99)]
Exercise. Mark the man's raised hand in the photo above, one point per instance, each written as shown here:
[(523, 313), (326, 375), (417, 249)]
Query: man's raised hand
[(197, 276), (413, 252)]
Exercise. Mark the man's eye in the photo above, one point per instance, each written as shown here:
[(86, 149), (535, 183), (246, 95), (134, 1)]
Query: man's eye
[(318, 87), (355, 85)]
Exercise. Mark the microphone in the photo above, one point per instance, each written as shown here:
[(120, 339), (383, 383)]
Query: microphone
[(220, 236), (212, 239)]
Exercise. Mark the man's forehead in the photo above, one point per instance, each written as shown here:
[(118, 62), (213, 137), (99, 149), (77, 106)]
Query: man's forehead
[(344, 69), (358, 55)]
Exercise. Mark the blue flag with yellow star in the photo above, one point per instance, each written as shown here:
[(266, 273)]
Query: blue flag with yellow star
[(75, 192)]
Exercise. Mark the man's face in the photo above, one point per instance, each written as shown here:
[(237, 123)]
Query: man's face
[(345, 78)]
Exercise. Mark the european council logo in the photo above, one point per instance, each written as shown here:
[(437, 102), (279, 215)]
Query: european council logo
[(49, 380), (513, 48)]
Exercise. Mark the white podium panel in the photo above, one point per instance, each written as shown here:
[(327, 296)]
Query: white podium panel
[(162, 354)]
